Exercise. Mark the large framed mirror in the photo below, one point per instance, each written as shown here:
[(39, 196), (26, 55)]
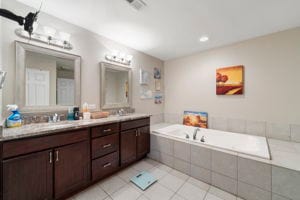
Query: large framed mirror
[(115, 85), (46, 79)]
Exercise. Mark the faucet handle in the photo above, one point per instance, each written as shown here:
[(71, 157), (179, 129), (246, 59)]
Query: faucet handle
[(49, 118)]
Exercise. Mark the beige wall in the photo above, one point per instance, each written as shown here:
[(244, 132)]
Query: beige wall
[(91, 47), (272, 74)]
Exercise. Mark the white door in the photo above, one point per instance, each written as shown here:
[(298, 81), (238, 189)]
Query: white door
[(65, 92), (37, 87)]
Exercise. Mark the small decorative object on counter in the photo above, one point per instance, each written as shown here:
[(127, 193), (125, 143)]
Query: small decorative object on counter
[(14, 120), (98, 115), (76, 113)]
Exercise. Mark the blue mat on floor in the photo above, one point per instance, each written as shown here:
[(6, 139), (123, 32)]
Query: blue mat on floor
[(143, 180)]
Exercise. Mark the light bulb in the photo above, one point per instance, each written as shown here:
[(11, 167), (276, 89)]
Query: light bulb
[(35, 26), (65, 36), (115, 53), (49, 31), (204, 38), (129, 57)]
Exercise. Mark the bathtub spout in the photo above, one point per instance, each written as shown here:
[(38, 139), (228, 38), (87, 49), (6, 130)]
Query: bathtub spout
[(195, 133)]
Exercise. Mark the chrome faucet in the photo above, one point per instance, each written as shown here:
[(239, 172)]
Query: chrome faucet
[(121, 112), (55, 118), (195, 133)]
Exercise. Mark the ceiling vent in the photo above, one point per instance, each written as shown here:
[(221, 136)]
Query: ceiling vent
[(137, 4)]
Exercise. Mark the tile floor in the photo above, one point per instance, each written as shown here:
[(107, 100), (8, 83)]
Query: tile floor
[(171, 184)]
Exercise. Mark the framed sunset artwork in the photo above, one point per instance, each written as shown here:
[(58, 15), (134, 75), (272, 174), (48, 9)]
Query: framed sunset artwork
[(197, 119), (230, 80)]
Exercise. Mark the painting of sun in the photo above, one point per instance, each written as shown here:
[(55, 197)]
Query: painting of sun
[(230, 80)]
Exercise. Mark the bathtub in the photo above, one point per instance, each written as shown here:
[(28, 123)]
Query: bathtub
[(240, 143)]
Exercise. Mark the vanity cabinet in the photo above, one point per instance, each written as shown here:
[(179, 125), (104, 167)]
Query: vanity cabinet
[(57, 165), (28, 177), (143, 141), (128, 146), (135, 142), (55, 172), (71, 168), (105, 150)]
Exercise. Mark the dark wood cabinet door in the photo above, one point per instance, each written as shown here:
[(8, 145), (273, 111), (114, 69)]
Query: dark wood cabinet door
[(71, 168), (28, 177), (128, 146), (143, 141)]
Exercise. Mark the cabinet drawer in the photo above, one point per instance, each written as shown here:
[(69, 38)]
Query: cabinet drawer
[(135, 124), (25, 146), (104, 166), (105, 145), (105, 130)]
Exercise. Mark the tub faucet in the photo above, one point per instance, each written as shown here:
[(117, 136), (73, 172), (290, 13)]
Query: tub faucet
[(187, 136), (195, 133), (202, 139)]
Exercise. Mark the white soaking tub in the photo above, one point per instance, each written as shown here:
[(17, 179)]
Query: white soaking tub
[(240, 143)]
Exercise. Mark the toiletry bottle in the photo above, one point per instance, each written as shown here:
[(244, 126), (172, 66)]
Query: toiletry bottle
[(85, 107), (14, 120), (70, 113), (76, 113)]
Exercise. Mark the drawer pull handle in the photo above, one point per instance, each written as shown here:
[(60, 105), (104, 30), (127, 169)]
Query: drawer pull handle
[(106, 146), (50, 157), (57, 156), (107, 165), (106, 130)]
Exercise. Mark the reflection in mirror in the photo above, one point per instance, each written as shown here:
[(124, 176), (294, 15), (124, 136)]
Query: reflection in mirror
[(49, 80), (116, 89), (115, 86)]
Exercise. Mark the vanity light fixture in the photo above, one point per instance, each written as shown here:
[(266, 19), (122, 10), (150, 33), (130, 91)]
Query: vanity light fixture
[(204, 38), (48, 36), (119, 57), (50, 32)]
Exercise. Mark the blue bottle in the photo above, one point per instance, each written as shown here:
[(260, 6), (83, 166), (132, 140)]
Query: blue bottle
[(14, 120)]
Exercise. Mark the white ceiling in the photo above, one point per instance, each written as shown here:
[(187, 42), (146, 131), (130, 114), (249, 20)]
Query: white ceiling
[(168, 29)]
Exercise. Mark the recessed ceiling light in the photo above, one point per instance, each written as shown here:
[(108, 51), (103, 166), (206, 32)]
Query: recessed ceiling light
[(204, 38)]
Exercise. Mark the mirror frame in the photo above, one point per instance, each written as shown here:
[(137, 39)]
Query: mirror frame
[(103, 104), (20, 93)]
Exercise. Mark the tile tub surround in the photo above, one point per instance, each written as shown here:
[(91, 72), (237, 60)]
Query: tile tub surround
[(48, 128), (237, 174), (287, 132)]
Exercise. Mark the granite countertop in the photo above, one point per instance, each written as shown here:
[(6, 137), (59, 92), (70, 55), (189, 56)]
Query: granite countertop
[(48, 128), (2, 124)]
